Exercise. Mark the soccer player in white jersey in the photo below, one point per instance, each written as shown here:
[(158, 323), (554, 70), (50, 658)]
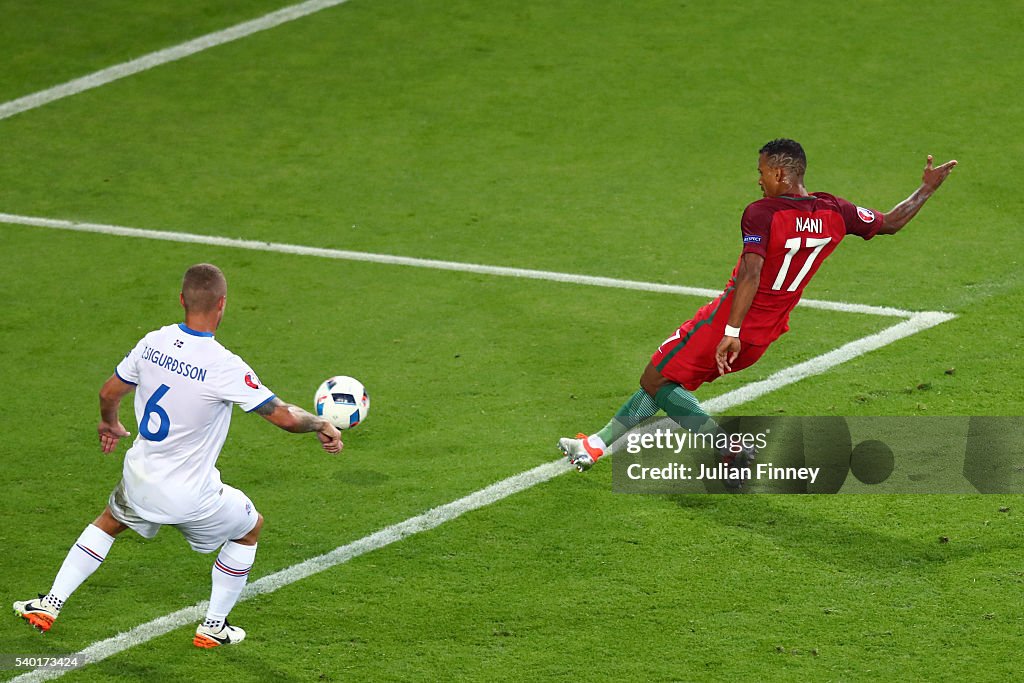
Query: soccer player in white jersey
[(185, 386)]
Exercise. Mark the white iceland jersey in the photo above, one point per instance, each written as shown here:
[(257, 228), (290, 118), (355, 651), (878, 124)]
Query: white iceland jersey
[(187, 384)]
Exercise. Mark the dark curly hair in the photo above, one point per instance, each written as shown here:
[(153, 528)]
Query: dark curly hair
[(787, 154)]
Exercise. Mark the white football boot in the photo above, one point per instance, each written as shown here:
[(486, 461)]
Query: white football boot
[(37, 612), (225, 635), (580, 453)]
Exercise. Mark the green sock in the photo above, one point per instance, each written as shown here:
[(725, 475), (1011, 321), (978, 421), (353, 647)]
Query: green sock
[(684, 408), (635, 410)]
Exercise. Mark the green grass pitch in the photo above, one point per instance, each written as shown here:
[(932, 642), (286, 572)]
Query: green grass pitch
[(600, 138)]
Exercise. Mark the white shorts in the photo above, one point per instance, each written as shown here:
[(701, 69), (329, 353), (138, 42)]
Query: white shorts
[(235, 517)]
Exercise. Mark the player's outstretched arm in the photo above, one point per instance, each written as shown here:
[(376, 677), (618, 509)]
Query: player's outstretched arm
[(901, 214), (292, 418), (110, 428)]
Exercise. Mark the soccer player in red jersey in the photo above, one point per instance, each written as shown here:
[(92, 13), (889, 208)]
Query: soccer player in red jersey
[(786, 236)]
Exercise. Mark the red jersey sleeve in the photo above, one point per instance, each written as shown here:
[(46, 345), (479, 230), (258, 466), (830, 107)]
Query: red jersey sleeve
[(860, 221), (756, 225)]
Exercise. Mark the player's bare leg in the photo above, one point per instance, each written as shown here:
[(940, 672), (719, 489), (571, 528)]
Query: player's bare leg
[(108, 524), (84, 557), (229, 574)]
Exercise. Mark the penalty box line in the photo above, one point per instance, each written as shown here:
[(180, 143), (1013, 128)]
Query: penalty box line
[(170, 54), (915, 322), (389, 259)]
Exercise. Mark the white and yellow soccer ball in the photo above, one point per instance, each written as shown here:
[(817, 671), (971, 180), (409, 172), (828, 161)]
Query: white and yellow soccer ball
[(343, 401)]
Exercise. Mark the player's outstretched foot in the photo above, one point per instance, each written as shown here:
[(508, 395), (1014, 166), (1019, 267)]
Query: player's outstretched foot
[(740, 457), (212, 637), (579, 452), (37, 612)]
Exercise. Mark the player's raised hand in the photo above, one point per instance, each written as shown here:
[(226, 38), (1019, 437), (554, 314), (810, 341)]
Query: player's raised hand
[(726, 353), (934, 176), (110, 434), (330, 438)]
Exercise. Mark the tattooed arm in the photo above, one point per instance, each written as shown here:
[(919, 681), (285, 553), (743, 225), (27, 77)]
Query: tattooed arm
[(908, 208), (294, 419)]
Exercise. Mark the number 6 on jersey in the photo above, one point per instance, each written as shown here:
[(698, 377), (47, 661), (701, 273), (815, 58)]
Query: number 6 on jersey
[(154, 411)]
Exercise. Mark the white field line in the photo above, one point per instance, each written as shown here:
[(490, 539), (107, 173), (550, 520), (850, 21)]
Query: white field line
[(493, 493), (428, 520), (918, 322), (255, 245), (433, 518), (815, 366), (170, 54)]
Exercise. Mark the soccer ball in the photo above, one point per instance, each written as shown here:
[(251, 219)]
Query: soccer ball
[(343, 401)]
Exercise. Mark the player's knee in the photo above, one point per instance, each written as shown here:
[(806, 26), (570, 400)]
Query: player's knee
[(107, 524), (254, 534), (651, 380)]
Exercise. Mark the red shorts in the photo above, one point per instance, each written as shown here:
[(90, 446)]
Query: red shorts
[(688, 356)]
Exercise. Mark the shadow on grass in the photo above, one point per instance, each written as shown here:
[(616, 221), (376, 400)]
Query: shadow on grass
[(830, 530)]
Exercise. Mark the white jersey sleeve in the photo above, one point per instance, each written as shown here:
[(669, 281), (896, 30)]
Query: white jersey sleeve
[(128, 369), (235, 382)]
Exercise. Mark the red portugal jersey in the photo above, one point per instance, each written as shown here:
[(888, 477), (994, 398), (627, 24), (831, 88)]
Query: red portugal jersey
[(794, 235)]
